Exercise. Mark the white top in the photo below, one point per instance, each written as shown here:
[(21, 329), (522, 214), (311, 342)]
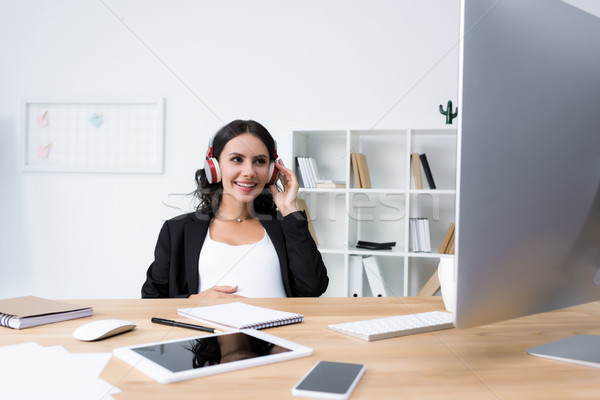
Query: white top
[(253, 267)]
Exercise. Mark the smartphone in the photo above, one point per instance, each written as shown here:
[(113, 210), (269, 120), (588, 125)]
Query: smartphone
[(329, 380)]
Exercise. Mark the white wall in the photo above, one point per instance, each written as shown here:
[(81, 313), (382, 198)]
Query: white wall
[(287, 64)]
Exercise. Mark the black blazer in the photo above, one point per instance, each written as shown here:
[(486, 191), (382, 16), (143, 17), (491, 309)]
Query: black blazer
[(174, 272)]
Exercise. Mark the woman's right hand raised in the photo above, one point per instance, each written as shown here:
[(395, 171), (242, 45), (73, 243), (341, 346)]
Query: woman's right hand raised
[(217, 292)]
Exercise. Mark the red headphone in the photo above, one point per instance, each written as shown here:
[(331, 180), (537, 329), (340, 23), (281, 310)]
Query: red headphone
[(213, 171)]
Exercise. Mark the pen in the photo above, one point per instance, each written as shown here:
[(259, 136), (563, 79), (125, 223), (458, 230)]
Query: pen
[(184, 325)]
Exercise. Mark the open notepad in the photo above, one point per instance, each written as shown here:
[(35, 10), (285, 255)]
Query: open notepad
[(240, 316)]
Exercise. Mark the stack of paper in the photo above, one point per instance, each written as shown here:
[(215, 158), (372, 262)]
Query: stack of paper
[(32, 371)]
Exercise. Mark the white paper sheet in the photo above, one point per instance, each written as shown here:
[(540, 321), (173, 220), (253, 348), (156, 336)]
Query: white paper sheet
[(30, 371)]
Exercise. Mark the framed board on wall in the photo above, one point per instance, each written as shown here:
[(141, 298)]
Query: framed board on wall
[(117, 136)]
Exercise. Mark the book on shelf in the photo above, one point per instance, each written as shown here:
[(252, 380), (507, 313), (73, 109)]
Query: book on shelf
[(362, 244), (374, 276), (427, 171), (448, 240), (420, 236), (450, 249), (314, 171), (306, 174), (420, 166), (329, 184), (414, 236), (301, 204), (363, 171), (237, 315), (354, 167), (426, 236), (27, 311), (416, 169), (362, 178), (299, 173)]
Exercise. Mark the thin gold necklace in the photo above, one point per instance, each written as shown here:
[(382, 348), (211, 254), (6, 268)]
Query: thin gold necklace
[(231, 219)]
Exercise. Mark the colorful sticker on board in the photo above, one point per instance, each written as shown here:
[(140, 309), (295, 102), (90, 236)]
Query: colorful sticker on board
[(96, 120), (42, 120), (44, 151)]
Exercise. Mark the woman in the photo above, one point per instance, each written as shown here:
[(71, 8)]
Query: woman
[(246, 238)]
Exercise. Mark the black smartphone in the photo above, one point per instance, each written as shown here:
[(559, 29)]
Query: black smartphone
[(329, 380)]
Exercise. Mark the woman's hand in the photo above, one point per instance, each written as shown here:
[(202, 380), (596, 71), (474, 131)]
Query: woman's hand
[(286, 200), (217, 292)]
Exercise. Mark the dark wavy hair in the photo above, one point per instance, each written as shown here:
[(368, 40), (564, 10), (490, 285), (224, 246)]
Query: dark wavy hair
[(207, 351), (210, 195)]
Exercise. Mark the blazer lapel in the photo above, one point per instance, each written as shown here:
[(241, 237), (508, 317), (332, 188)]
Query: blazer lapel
[(194, 235)]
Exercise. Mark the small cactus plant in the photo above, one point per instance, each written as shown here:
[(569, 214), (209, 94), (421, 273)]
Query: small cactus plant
[(448, 113)]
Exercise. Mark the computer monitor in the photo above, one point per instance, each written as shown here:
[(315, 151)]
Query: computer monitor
[(528, 179)]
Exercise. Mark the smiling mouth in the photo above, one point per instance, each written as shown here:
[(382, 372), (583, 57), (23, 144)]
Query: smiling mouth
[(245, 185)]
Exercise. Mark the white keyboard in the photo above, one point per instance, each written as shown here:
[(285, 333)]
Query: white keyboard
[(400, 325)]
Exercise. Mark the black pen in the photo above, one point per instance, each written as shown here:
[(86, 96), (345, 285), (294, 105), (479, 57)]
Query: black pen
[(184, 325)]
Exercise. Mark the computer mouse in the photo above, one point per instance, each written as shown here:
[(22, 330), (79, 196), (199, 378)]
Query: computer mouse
[(102, 329)]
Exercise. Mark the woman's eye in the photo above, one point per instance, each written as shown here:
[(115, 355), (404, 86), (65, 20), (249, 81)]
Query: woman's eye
[(236, 159), (260, 161)]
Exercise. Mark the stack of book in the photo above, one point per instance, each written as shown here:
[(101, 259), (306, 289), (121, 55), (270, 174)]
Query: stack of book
[(418, 159), (362, 244), (308, 175), (419, 230), (447, 246), (360, 171)]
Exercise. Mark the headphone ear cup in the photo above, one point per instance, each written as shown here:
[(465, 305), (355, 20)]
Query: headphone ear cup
[(273, 174), (212, 170)]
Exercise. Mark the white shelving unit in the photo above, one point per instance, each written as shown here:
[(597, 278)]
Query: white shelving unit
[(341, 217)]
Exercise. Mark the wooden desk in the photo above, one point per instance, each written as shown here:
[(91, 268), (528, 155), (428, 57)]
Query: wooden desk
[(482, 363)]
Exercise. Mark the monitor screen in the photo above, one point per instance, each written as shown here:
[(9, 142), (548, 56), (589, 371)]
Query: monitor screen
[(528, 175)]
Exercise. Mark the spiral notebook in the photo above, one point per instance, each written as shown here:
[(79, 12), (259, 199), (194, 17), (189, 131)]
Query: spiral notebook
[(238, 315), (27, 311)]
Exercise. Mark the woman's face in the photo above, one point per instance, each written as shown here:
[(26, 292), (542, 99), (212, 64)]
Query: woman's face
[(244, 164)]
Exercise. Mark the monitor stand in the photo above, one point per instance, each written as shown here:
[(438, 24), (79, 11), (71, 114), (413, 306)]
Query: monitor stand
[(578, 349)]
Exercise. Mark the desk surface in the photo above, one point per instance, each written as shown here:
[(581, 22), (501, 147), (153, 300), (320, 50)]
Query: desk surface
[(488, 362)]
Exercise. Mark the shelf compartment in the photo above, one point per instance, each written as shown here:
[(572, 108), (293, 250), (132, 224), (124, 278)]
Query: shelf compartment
[(384, 151), (327, 148), (440, 148), (377, 217), (438, 209), (327, 214)]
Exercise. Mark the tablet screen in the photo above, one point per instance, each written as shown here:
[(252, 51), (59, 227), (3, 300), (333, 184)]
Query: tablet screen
[(206, 351)]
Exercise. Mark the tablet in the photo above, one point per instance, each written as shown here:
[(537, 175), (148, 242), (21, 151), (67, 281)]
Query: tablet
[(181, 359)]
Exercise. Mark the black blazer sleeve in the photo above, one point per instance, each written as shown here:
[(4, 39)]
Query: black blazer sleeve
[(307, 272), (168, 276)]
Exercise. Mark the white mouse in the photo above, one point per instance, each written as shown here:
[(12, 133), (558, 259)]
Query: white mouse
[(101, 329)]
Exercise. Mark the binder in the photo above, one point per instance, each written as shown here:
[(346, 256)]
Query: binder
[(427, 171), (375, 277), (356, 276)]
